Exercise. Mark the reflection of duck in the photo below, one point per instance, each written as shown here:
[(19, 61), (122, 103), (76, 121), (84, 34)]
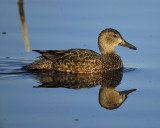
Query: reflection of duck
[(108, 97), (83, 60), (70, 81)]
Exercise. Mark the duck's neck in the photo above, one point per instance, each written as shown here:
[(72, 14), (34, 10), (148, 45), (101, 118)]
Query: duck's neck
[(111, 61), (104, 47), (107, 51)]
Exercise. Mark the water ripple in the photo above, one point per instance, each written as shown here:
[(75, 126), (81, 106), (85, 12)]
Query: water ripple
[(11, 68)]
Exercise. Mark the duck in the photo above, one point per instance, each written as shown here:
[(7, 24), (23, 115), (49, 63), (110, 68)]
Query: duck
[(84, 60)]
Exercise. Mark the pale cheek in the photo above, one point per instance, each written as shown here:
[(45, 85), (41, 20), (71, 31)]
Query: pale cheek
[(119, 40)]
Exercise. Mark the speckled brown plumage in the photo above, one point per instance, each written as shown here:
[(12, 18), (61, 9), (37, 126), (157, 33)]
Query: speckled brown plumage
[(84, 60)]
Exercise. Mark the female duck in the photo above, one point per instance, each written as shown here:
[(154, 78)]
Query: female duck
[(84, 60)]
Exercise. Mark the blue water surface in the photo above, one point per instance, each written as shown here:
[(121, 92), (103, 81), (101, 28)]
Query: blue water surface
[(60, 24)]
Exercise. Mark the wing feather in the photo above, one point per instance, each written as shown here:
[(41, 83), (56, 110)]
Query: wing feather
[(78, 55)]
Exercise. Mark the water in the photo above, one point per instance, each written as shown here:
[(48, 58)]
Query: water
[(68, 24)]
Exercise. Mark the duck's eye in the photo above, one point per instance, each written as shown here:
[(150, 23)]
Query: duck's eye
[(115, 105), (114, 35)]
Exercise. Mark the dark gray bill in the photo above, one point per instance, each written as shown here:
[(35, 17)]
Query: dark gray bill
[(128, 45)]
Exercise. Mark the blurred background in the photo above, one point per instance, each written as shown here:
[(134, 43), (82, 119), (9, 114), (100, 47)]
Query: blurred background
[(65, 24), (59, 24)]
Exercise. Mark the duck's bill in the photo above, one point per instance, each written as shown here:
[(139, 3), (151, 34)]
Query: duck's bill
[(127, 92), (128, 45)]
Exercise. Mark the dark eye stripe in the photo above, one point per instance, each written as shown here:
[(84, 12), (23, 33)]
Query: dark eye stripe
[(114, 36)]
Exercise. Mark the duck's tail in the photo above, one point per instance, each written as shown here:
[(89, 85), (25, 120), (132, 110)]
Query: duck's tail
[(39, 64), (39, 51)]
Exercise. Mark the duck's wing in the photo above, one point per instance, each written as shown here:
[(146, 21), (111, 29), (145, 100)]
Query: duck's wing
[(71, 54), (50, 54)]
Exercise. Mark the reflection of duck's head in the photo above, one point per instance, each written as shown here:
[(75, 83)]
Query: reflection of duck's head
[(111, 99), (109, 38)]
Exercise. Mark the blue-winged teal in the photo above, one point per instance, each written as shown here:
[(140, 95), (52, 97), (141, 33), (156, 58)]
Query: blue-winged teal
[(84, 60)]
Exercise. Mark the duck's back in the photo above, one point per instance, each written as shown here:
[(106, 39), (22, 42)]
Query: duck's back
[(72, 60)]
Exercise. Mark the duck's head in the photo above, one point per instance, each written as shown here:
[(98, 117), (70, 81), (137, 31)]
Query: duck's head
[(109, 38)]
